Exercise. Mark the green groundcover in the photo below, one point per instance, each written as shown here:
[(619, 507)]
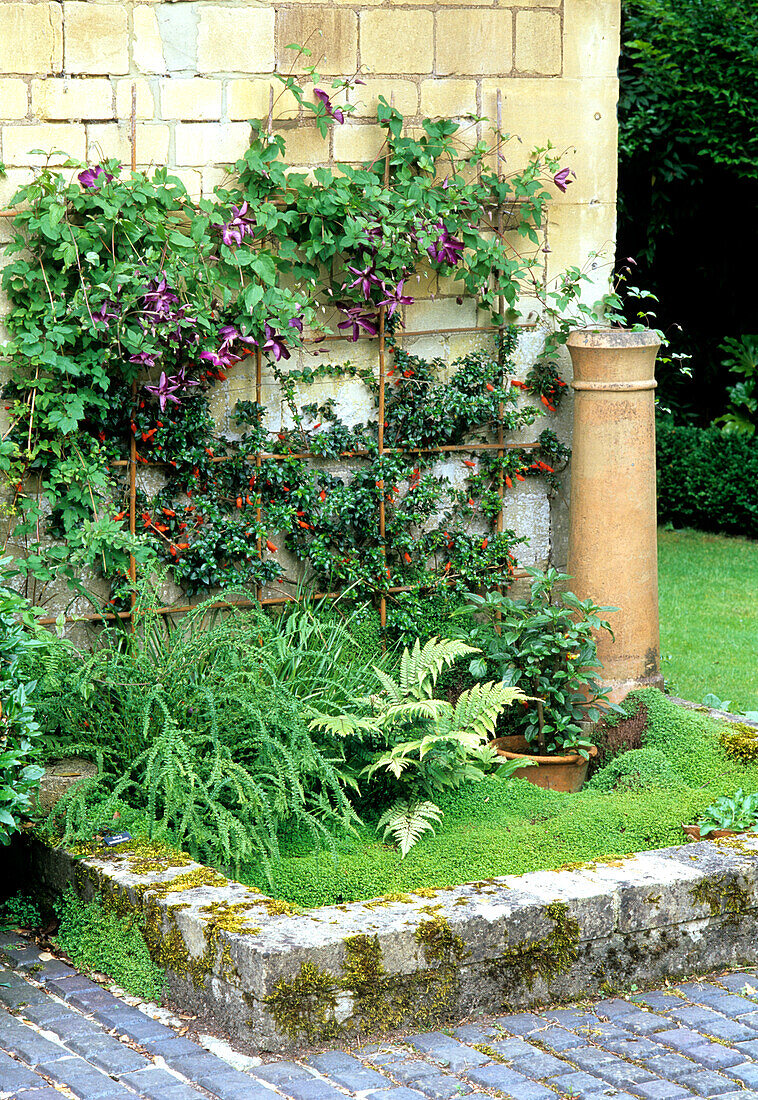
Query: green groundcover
[(636, 802)]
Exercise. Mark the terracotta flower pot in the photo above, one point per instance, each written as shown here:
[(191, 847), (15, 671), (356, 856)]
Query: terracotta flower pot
[(553, 773), (693, 831)]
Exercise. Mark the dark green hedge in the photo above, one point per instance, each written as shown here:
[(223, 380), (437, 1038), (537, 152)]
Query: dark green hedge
[(708, 480)]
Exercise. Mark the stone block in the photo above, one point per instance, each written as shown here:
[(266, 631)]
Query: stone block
[(147, 43), (96, 38), (18, 141), (577, 117), (476, 42), (31, 38), (447, 98), (591, 34), (394, 41), (114, 140), (146, 98), (248, 98), (305, 146), (538, 43), (235, 39), (331, 35), (14, 96), (195, 99), (54, 98), (199, 143), (402, 94), (357, 143)]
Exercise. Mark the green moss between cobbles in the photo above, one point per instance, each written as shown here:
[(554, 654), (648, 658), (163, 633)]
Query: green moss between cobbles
[(495, 828)]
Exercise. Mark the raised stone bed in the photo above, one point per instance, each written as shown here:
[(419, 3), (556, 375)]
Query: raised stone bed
[(282, 978)]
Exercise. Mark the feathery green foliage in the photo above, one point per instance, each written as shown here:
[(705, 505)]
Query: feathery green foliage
[(198, 731)]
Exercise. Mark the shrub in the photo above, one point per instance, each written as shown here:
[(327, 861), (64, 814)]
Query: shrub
[(19, 773), (707, 480)]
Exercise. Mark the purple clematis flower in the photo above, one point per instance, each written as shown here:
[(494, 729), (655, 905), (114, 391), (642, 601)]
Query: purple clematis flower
[(165, 391), (332, 112), (357, 320), (561, 179), (275, 344), (296, 322), (160, 300), (365, 279), (229, 334), (108, 312), (180, 381), (93, 178), (395, 298), (446, 249), (145, 359), (239, 226)]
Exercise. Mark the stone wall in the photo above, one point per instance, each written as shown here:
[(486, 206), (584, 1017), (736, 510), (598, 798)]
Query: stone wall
[(201, 69)]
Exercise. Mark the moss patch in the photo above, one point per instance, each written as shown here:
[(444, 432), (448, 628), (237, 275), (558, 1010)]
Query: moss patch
[(723, 895), (496, 828)]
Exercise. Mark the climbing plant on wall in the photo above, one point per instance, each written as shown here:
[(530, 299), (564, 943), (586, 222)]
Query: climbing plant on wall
[(129, 300)]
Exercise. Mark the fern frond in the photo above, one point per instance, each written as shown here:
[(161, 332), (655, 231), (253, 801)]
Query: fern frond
[(407, 821), (478, 708), (342, 725), (420, 668)]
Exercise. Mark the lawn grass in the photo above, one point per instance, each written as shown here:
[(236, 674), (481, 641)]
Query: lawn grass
[(709, 616), (499, 827)]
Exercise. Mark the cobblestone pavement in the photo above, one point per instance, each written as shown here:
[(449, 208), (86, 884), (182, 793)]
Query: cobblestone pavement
[(64, 1035)]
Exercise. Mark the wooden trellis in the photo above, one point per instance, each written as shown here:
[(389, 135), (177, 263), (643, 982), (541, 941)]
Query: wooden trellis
[(499, 446)]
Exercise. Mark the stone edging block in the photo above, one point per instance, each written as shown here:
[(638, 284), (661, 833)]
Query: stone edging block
[(283, 978)]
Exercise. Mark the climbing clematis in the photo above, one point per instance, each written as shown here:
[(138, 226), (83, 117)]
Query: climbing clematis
[(275, 344), (165, 391), (446, 249), (561, 179), (93, 178), (331, 111), (395, 298), (239, 226), (365, 279), (357, 320)]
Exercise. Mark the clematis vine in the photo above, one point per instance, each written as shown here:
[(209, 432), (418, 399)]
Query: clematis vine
[(357, 320), (107, 312), (147, 359), (165, 391), (93, 178), (239, 226), (446, 249), (275, 344), (395, 298), (160, 301), (562, 179), (332, 112), (365, 279)]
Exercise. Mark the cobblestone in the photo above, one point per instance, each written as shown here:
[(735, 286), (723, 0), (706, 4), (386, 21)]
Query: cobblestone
[(698, 1039)]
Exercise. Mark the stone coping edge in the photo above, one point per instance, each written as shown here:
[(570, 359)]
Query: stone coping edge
[(280, 978)]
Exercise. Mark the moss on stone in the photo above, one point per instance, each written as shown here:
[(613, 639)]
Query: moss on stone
[(305, 1006), (723, 895), (740, 742), (546, 958)]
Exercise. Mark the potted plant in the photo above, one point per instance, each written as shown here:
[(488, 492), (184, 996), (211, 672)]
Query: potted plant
[(727, 817), (545, 645)]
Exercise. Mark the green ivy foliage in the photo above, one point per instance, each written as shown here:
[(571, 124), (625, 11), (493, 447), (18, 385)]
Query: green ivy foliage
[(129, 301)]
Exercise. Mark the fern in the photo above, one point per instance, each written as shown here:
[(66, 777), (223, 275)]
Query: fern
[(407, 821), (420, 668)]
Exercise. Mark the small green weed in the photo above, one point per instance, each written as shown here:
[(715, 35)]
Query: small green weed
[(20, 911)]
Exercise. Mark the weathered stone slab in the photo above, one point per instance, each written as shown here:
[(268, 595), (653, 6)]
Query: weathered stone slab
[(282, 977)]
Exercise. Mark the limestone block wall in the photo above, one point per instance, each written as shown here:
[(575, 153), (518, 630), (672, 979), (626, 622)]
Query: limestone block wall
[(202, 68)]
